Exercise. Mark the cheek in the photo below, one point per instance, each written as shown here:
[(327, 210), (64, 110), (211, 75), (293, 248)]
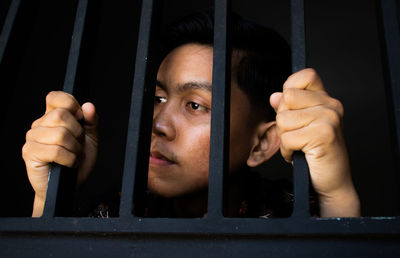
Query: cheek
[(197, 149)]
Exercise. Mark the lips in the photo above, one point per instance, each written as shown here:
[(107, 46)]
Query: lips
[(158, 158)]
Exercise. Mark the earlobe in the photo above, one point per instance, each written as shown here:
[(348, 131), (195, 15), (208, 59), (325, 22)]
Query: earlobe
[(265, 145)]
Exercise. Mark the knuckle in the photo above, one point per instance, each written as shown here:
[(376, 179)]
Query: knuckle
[(62, 135), (327, 133), (312, 75), (63, 157), (25, 150), (311, 72), (57, 152), (35, 123), (338, 106), (62, 98), (28, 135), (59, 115), (281, 119), (50, 96), (332, 116), (289, 95)]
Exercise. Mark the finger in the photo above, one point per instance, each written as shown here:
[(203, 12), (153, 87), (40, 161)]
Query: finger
[(60, 99), (89, 114), (44, 154), (295, 119), (293, 99), (290, 143), (60, 118), (310, 140), (91, 120), (54, 136), (275, 100), (37, 122), (306, 79)]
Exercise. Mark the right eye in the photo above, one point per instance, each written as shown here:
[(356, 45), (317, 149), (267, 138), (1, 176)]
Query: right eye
[(159, 99)]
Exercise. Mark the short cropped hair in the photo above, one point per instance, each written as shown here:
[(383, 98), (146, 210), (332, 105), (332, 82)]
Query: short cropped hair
[(264, 56)]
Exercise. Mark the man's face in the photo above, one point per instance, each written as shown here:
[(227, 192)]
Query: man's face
[(180, 142)]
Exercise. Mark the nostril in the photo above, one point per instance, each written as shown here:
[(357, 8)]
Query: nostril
[(163, 124), (159, 129), (164, 130)]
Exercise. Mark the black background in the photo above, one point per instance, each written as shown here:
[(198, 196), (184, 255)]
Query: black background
[(342, 44)]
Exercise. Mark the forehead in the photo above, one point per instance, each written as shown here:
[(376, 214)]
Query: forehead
[(190, 62), (193, 63)]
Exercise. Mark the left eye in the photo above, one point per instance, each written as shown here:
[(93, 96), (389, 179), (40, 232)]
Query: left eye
[(196, 106)]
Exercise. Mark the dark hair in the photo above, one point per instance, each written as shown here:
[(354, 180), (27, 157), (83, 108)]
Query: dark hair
[(264, 56)]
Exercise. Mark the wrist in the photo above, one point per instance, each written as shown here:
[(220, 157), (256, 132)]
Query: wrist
[(342, 203), (38, 205)]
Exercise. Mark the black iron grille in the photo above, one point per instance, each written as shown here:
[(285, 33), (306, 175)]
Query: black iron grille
[(214, 234)]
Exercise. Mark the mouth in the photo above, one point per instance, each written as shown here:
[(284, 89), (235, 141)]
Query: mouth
[(158, 159)]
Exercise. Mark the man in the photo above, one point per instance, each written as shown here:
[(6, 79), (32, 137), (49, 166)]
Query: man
[(307, 119)]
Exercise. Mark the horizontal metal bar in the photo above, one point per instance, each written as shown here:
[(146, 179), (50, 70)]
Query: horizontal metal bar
[(300, 167), (194, 246), (7, 27), (226, 226), (219, 139), (69, 81)]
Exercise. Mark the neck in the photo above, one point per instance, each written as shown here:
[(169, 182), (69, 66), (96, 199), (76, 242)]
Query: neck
[(193, 205), (234, 193)]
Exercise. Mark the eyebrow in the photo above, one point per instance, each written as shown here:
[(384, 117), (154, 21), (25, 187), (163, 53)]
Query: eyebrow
[(191, 85)]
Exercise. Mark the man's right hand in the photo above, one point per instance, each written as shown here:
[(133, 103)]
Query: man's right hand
[(59, 137)]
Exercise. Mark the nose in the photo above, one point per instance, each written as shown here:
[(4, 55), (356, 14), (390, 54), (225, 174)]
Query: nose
[(163, 123)]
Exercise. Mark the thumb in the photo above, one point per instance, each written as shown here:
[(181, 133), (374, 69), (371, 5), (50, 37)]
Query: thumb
[(275, 100), (90, 117)]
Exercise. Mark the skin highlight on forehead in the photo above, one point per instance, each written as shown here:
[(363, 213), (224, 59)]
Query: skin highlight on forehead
[(188, 63)]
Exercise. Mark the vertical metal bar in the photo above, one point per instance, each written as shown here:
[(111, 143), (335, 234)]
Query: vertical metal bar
[(220, 118), (391, 31), (55, 170), (8, 24), (140, 119), (298, 35), (73, 57), (392, 40), (300, 167)]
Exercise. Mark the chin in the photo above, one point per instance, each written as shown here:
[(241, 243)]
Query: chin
[(159, 188), (170, 187), (170, 191)]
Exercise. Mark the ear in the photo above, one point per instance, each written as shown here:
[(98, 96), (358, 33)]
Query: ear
[(265, 144)]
